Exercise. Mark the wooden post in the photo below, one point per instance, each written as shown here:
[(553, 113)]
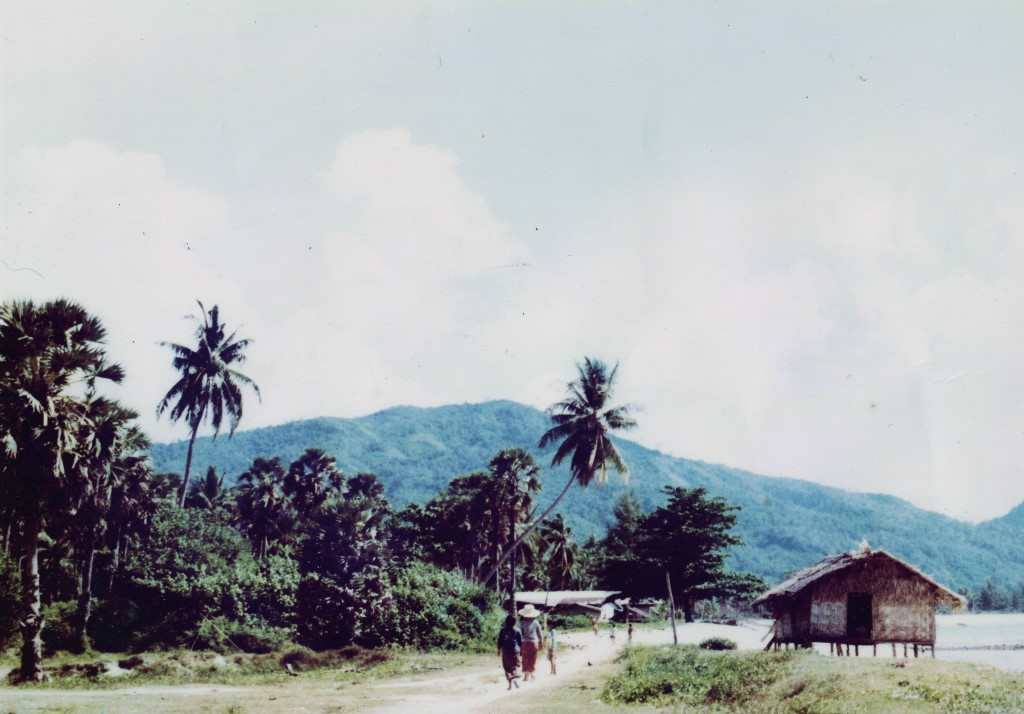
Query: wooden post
[(831, 647), (671, 608), (915, 651), (894, 650), (847, 649), (856, 650), (904, 650), (933, 650), (874, 650)]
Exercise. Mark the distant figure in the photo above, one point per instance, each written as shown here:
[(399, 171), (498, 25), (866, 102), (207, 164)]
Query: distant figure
[(593, 624), (552, 640), (531, 631), (611, 627), (629, 633), (510, 641)]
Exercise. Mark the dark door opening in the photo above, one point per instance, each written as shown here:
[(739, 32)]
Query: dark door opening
[(858, 616)]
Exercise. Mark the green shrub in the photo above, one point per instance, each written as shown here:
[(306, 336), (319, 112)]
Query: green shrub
[(686, 675), (59, 626), (569, 622), (437, 609), (254, 636), (116, 625), (194, 583), (717, 643), (10, 601)]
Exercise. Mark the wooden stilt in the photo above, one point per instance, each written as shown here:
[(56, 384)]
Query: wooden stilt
[(874, 650), (915, 651), (933, 650), (847, 649), (904, 650), (856, 650), (831, 647), (893, 649)]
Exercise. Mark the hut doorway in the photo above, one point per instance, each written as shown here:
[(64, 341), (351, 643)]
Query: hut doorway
[(858, 616)]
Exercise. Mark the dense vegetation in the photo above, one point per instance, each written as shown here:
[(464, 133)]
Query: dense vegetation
[(117, 556), (786, 524)]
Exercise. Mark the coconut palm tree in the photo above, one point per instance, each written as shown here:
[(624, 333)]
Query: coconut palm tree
[(560, 552), (583, 423), (47, 352), (209, 385), (208, 493)]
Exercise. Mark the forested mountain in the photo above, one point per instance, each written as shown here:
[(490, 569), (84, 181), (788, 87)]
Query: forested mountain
[(786, 523)]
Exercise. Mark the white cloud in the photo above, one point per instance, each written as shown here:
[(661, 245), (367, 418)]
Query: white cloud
[(112, 230)]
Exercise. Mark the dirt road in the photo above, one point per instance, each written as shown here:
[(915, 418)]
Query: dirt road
[(471, 690)]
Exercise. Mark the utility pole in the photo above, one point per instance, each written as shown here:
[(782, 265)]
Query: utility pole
[(671, 608)]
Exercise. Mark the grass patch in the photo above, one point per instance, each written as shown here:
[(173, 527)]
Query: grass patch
[(686, 675), (692, 680)]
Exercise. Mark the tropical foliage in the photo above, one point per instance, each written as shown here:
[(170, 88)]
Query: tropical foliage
[(786, 524)]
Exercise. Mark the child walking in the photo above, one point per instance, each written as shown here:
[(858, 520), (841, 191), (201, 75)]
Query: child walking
[(552, 641)]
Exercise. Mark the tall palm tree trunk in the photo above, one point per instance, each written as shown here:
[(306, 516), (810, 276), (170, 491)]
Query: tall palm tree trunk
[(188, 463), (32, 617), (84, 610), (512, 550)]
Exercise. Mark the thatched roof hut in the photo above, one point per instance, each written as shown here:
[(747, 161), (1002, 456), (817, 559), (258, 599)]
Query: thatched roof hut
[(867, 597)]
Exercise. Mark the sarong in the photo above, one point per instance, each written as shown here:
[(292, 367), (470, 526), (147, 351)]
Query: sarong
[(529, 655), (510, 662)]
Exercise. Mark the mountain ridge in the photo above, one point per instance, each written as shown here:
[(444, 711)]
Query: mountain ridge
[(787, 523)]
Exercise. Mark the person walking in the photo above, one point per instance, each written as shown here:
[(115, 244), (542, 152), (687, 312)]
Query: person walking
[(510, 641), (532, 635), (552, 642)]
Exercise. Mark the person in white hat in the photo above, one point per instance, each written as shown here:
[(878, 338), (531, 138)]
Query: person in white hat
[(532, 636)]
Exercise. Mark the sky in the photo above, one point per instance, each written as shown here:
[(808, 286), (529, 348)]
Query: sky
[(797, 226)]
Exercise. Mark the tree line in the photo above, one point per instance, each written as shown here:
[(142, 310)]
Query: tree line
[(101, 551)]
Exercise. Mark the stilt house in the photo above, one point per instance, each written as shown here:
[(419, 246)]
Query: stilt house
[(868, 597)]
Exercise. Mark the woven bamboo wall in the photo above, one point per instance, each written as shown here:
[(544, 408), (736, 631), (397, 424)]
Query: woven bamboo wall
[(902, 604)]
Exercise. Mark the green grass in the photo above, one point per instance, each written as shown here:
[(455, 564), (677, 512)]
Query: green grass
[(199, 667), (691, 680)]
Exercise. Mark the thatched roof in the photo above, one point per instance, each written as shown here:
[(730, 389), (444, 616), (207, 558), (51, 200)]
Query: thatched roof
[(834, 563), (555, 598)]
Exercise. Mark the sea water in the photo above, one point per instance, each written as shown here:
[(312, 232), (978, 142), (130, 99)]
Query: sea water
[(989, 638)]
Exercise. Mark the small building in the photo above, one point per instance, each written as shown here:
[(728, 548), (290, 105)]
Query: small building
[(568, 602), (868, 597)]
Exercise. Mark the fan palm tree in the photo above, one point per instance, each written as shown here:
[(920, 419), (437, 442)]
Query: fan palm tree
[(209, 385), (132, 505), (515, 480), (107, 442), (46, 352), (263, 509), (311, 479), (583, 423)]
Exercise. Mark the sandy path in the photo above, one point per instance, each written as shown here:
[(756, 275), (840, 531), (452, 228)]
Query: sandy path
[(477, 691), (473, 690)]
